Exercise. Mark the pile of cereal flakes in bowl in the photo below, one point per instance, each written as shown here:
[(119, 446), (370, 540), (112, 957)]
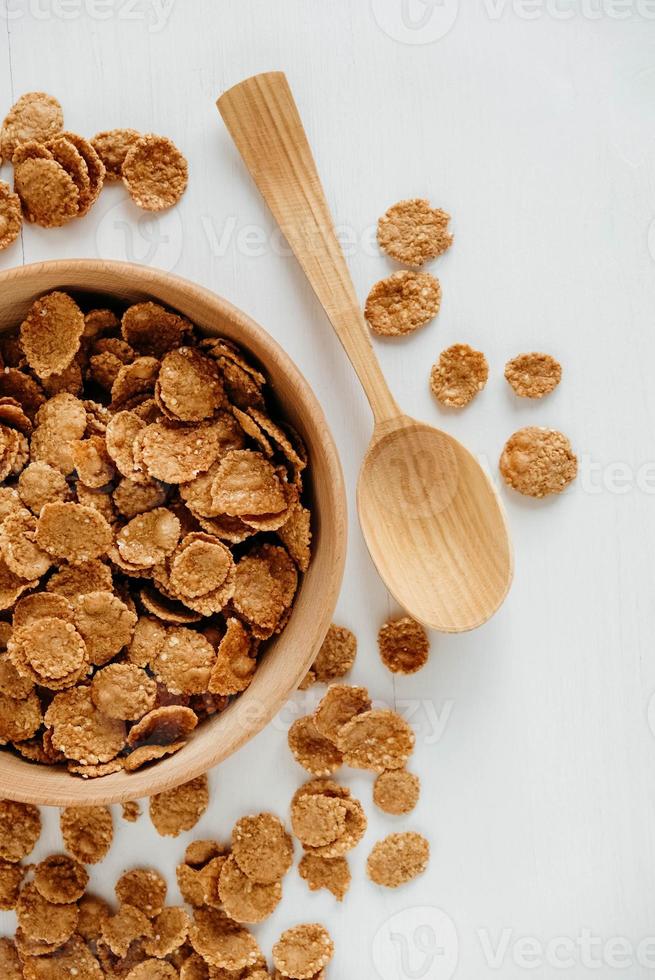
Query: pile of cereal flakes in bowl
[(152, 532)]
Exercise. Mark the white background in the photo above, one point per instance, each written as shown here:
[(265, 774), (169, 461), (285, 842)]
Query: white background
[(534, 125)]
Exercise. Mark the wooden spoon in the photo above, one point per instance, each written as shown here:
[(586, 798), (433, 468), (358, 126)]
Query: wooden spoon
[(431, 518)]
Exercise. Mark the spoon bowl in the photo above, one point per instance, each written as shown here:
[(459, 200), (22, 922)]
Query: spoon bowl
[(433, 525), (432, 521)]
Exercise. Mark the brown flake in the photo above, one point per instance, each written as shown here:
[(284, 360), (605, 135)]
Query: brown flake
[(413, 232), (403, 645), (397, 859), (396, 791), (459, 375), (402, 303), (533, 375), (155, 173), (538, 461), (301, 952)]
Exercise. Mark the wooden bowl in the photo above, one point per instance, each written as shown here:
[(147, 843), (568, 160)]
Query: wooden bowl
[(287, 656)]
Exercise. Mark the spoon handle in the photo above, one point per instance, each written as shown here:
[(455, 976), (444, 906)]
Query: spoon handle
[(264, 122)]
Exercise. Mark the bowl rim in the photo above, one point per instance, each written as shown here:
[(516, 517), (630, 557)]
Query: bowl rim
[(30, 782)]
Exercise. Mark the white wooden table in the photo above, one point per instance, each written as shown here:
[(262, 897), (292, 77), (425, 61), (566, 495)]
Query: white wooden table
[(533, 123)]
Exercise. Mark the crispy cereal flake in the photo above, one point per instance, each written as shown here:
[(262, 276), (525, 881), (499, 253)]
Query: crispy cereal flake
[(73, 532), (143, 888), (11, 219), (43, 920), (155, 173), (402, 303), (112, 147), (403, 645), (339, 704), (50, 334), (533, 375), (302, 951), (20, 829), (396, 791), (184, 662), (331, 873), (397, 859), (105, 623), (123, 691), (82, 732), (459, 374), (262, 847), (60, 879), (413, 232), (378, 739), (163, 726), (35, 116), (538, 461), (245, 900), (11, 879), (179, 809), (315, 753), (222, 942)]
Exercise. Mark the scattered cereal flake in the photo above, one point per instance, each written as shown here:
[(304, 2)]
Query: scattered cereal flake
[(315, 753), (148, 538), (378, 739), (265, 584), (43, 920), (403, 645), (20, 829), (144, 888), (48, 194), (189, 385), (80, 731), (302, 951), (93, 912), (125, 927), (538, 461), (73, 532), (296, 535), (123, 691), (112, 147), (459, 374), (60, 879), (184, 662), (412, 232), (402, 303), (19, 719), (68, 156), (41, 484), (153, 969), (339, 704), (10, 964), (131, 811), (234, 666), (132, 498), (71, 959), (92, 462), (163, 726), (144, 754), (245, 900), (152, 330), (105, 623), (35, 116), (397, 859), (179, 809), (353, 831), (72, 581), (11, 878), (331, 873), (170, 931), (317, 819), (396, 791), (50, 333), (11, 219), (95, 169), (155, 173), (177, 454), (19, 548), (246, 483), (533, 375), (222, 942), (336, 656), (262, 847)]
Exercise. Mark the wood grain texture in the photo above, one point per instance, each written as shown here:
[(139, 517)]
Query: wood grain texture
[(432, 520), (287, 656)]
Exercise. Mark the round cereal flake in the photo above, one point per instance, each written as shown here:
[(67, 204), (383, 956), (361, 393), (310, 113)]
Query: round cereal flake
[(34, 116), (302, 951), (315, 753), (538, 461), (123, 691), (50, 333), (397, 859), (402, 303), (403, 645), (533, 375), (179, 809), (155, 173), (459, 375), (262, 847), (80, 731), (378, 739), (396, 791), (339, 704), (412, 232)]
